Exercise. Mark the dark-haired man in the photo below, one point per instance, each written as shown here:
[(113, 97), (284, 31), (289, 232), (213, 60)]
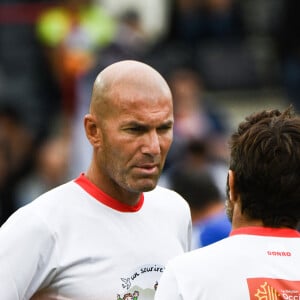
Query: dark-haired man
[(261, 257)]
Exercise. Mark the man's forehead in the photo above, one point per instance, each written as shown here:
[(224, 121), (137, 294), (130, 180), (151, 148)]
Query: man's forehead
[(137, 85), (145, 119), (146, 122)]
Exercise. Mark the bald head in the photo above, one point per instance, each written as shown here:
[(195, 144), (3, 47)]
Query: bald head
[(123, 79)]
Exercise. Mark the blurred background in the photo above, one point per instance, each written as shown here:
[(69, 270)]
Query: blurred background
[(222, 58)]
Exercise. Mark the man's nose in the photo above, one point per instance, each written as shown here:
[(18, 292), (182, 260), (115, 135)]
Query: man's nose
[(151, 144)]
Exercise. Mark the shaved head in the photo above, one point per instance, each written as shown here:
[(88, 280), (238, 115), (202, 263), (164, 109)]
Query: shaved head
[(125, 79)]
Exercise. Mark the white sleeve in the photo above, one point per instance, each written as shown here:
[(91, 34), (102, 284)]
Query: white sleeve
[(26, 255), (168, 286)]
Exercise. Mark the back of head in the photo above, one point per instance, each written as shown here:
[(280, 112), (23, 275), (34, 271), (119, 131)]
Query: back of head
[(265, 158)]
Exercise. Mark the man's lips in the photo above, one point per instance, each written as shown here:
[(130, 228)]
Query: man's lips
[(148, 168)]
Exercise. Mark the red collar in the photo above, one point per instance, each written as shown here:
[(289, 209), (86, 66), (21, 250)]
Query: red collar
[(267, 231), (105, 199)]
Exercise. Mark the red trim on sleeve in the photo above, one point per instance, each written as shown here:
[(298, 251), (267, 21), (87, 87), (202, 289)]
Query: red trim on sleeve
[(267, 231), (105, 199)]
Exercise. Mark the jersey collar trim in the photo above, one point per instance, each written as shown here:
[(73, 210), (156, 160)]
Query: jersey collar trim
[(105, 199), (267, 231)]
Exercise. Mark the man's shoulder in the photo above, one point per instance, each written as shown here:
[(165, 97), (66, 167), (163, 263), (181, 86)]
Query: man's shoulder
[(165, 199), (53, 200), (205, 256), (50, 207), (55, 193)]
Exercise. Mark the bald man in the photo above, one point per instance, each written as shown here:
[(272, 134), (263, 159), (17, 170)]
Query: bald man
[(108, 233)]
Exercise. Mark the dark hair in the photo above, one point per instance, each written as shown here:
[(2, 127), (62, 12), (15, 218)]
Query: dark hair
[(265, 157)]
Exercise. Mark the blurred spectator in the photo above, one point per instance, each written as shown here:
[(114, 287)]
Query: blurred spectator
[(198, 172), (196, 116), (213, 33), (196, 157), (153, 14), (73, 33), (210, 222), (50, 168), (289, 51), (130, 36), (129, 42), (6, 192), (16, 154), (194, 21)]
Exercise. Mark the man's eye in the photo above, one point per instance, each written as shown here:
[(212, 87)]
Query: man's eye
[(135, 129), (165, 128)]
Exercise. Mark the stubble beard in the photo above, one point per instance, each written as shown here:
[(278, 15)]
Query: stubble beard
[(228, 205), (229, 210)]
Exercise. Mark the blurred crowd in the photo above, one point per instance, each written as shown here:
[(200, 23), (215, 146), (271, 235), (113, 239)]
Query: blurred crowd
[(48, 62)]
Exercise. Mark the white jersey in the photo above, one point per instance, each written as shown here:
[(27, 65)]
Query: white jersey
[(67, 245), (254, 263)]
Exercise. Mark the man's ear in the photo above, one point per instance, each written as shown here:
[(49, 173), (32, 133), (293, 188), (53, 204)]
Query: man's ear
[(92, 130), (231, 183)]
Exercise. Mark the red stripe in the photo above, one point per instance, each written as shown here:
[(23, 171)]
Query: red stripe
[(98, 194), (267, 231)]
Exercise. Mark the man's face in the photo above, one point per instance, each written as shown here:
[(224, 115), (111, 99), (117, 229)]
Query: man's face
[(136, 138)]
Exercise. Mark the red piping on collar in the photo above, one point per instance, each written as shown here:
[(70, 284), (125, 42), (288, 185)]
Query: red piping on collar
[(267, 231), (105, 199)]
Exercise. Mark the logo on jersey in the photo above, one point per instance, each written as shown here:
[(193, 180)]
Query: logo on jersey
[(273, 289), (141, 283)]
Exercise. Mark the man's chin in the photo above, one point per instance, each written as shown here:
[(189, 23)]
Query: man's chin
[(145, 185)]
